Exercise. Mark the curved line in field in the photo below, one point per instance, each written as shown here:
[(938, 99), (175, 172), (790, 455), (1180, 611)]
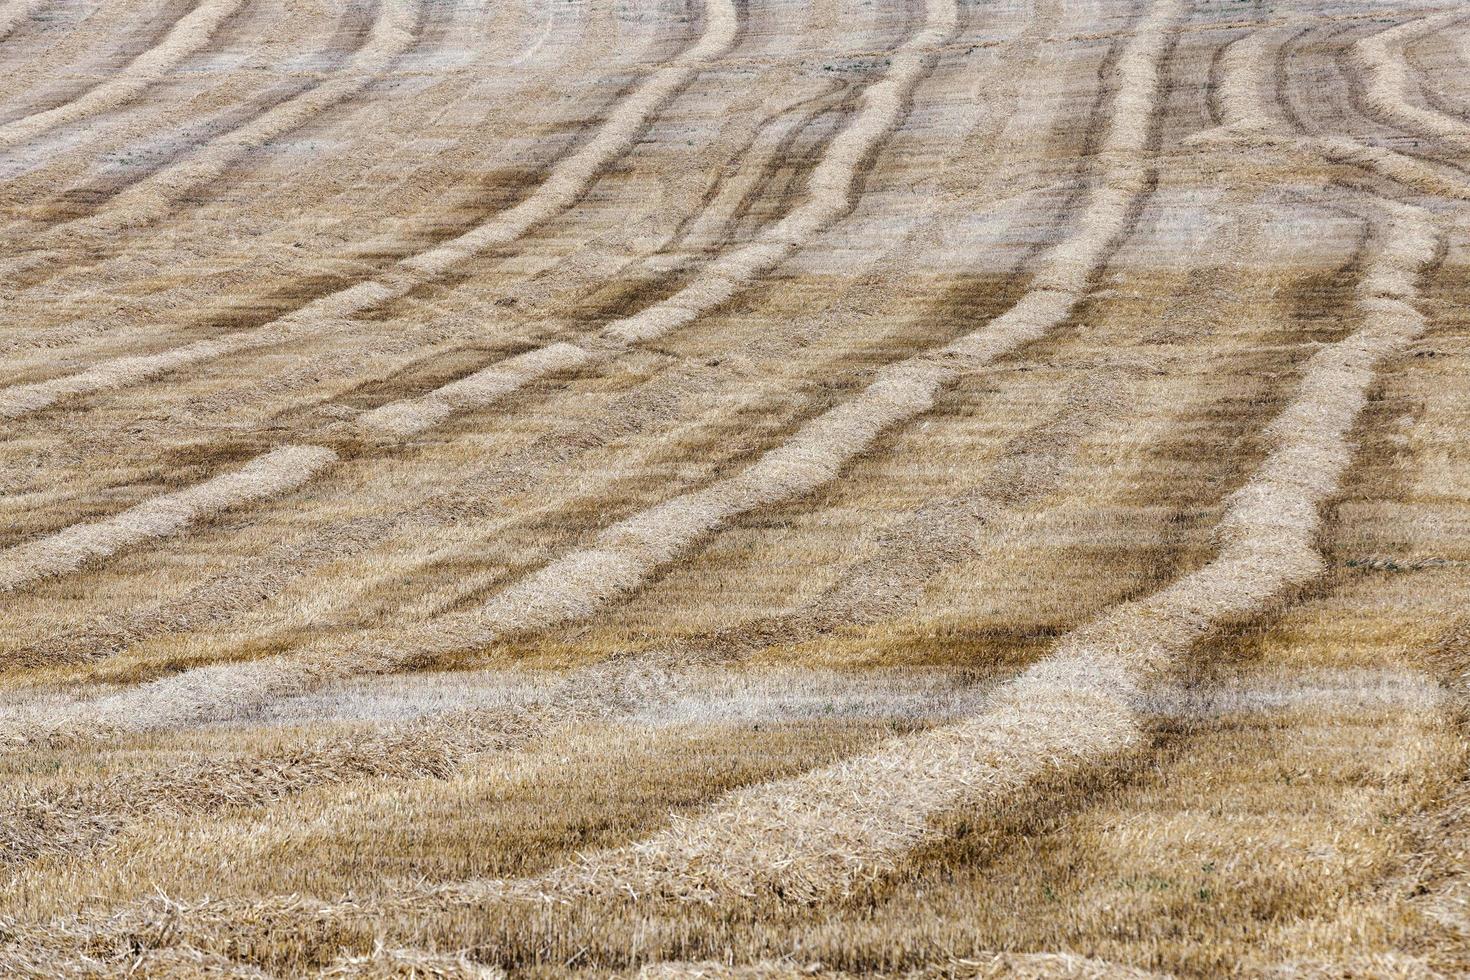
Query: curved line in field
[(1246, 106), (393, 32), (266, 476), (806, 837), (627, 553)]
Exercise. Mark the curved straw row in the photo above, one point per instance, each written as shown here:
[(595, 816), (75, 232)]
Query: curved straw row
[(148, 69), (12, 14), (267, 476), (804, 837), (873, 122), (1250, 118), (625, 555)]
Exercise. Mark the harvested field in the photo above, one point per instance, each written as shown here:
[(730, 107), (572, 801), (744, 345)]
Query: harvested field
[(714, 489)]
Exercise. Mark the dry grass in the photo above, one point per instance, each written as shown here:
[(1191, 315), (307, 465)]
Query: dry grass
[(624, 490)]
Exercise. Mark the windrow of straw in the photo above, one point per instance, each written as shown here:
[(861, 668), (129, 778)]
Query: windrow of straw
[(1250, 116), (186, 37), (264, 477), (805, 837), (561, 189), (832, 190), (408, 416), (1389, 85), (1014, 966)]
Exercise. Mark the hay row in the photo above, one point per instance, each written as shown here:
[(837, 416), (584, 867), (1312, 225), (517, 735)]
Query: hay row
[(624, 555), (394, 31), (267, 476), (1250, 117), (82, 818), (428, 727), (190, 34), (832, 187), (410, 416), (1388, 85), (561, 189)]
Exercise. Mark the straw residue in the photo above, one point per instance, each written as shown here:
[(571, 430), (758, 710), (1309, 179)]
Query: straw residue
[(561, 189), (623, 556), (1016, 966), (802, 838), (410, 416), (14, 13), (186, 37), (831, 194), (267, 476)]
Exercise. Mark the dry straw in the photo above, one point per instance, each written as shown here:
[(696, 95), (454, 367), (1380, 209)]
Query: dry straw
[(805, 837), (1012, 966), (832, 189), (186, 37), (566, 183), (267, 476)]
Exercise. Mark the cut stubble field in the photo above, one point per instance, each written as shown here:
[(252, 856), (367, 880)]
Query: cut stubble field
[(732, 489)]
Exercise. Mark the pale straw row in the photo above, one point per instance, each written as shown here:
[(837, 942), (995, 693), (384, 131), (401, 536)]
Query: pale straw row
[(1390, 86), (266, 476), (1250, 118), (832, 191)]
